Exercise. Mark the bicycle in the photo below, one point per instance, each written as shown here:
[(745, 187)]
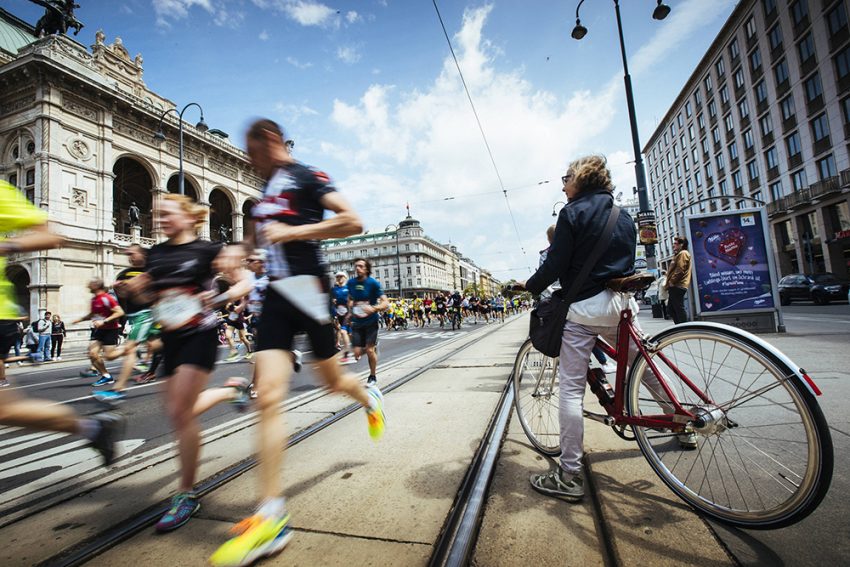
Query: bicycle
[(764, 455)]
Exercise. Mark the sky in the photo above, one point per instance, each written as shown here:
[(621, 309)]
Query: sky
[(370, 93)]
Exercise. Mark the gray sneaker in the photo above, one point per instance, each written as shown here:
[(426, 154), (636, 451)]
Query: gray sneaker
[(559, 484), (687, 440)]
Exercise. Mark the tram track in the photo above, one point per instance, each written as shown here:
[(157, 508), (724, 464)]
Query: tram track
[(101, 542)]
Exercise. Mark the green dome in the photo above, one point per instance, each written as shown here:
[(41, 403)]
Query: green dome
[(14, 33)]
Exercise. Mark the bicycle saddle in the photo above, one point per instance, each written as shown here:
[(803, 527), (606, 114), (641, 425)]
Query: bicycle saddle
[(631, 284)]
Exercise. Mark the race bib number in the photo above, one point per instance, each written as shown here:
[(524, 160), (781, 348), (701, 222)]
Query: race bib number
[(176, 309), (341, 310), (359, 309), (233, 316)]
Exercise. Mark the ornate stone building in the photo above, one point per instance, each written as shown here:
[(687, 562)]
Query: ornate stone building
[(77, 132)]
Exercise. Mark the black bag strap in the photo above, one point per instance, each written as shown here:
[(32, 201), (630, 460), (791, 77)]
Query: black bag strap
[(601, 245)]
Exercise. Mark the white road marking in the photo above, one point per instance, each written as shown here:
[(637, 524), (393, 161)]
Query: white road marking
[(22, 442)]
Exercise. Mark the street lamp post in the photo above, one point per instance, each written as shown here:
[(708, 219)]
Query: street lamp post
[(579, 31), (160, 136), (555, 206), (397, 257)]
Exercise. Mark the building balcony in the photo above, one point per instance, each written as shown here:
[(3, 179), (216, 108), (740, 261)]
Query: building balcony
[(825, 187), (776, 207)]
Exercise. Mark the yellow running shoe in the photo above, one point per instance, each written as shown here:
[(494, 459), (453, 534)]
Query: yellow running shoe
[(376, 416), (258, 537)]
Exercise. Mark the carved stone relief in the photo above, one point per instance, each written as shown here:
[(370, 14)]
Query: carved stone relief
[(79, 198), (13, 104), (78, 107)]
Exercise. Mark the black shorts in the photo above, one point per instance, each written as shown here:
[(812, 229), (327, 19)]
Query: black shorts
[(282, 321), (238, 324), (106, 337), (364, 336), (8, 337), (199, 348)]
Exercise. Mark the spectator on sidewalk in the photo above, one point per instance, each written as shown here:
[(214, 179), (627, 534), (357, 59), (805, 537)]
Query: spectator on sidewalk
[(663, 296), (19, 337), (44, 328), (57, 337), (678, 280)]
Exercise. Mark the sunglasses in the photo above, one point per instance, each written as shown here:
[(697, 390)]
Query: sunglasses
[(566, 178)]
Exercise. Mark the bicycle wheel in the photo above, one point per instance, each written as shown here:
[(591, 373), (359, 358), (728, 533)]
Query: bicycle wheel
[(763, 456), (535, 383)]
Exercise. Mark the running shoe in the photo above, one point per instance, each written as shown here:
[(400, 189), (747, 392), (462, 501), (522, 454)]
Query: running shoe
[(4, 383), (111, 424), (89, 373), (145, 378), (687, 441), (242, 396), (109, 396), (142, 367), (234, 356), (559, 484), (299, 360), (257, 537), (249, 356), (375, 416), (372, 380), (104, 381), (183, 505), (347, 360)]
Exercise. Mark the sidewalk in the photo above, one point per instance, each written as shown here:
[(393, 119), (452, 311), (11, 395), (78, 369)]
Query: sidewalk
[(355, 502)]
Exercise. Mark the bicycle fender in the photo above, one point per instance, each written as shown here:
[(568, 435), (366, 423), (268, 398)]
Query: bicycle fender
[(771, 350)]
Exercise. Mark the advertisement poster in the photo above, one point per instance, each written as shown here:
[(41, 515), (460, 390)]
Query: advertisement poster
[(730, 261)]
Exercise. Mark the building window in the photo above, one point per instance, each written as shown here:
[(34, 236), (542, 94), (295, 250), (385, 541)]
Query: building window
[(845, 110), (755, 60), (769, 7), (730, 123), (787, 106), (690, 185), (701, 121), (739, 78), (737, 180), (813, 86), (715, 133), (837, 19), (799, 180), (799, 11), (680, 120), (721, 163), (753, 170), (775, 191), (761, 92), (686, 163), (708, 172), (690, 134), (724, 94), (682, 142), (695, 154), (678, 171), (698, 178), (720, 67), (673, 130), (707, 83), (766, 124), (771, 156), (733, 150), (826, 167), (748, 139), (792, 142), (723, 187), (734, 52), (712, 108), (774, 37), (704, 146), (688, 109), (744, 109), (806, 48), (750, 27), (780, 72), (820, 128), (842, 63)]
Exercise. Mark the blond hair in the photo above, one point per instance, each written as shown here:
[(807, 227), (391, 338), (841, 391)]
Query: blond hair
[(189, 207), (591, 173)]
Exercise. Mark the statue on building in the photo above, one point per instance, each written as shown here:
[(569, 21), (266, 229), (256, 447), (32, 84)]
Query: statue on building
[(224, 234), (58, 17), (133, 214)]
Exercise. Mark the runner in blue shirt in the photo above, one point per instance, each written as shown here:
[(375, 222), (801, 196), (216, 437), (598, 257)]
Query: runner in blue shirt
[(366, 299), (342, 316)]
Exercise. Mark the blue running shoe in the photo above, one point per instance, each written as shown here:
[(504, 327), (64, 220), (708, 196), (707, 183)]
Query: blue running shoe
[(183, 505), (104, 381), (242, 395), (109, 396), (89, 374)]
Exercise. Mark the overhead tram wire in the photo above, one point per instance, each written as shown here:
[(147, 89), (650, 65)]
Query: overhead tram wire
[(483, 135)]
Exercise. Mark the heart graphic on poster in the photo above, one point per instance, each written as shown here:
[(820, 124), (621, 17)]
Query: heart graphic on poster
[(726, 245)]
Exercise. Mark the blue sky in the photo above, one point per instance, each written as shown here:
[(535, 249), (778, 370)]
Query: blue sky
[(370, 94)]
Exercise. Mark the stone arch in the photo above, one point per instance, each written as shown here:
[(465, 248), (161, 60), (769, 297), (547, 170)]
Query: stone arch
[(190, 186), (133, 182), (19, 277), (221, 215), (247, 225)]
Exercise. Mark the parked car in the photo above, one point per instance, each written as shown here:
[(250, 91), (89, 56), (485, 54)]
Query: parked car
[(820, 288)]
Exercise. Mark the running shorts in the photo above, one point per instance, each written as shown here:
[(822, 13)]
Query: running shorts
[(364, 336), (106, 337), (141, 324), (238, 323), (198, 348), (282, 321), (8, 337)]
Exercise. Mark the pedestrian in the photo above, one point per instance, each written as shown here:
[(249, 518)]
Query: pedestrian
[(366, 299), (19, 337), (289, 222), (678, 280), (663, 295), (44, 328), (57, 337), (100, 430), (595, 310)]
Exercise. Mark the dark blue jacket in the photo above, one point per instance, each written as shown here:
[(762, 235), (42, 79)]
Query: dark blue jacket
[(579, 227)]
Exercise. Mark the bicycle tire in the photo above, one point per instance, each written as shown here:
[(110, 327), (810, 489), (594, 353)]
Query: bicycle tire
[(535, 383), (764, 459)]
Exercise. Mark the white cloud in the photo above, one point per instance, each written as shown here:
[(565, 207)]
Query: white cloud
[(309, 13), (348, 54), (177, 9), (352, 17), (292, 113), (264, 36), (298, 64)]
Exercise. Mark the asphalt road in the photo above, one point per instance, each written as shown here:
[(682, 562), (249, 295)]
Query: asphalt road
[(818, 339), (30, 460)]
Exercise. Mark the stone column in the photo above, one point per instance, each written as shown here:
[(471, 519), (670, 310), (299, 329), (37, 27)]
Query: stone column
[(237, 225), (205, 229)]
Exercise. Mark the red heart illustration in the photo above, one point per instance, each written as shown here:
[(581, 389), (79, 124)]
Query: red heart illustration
[(726, 245)]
